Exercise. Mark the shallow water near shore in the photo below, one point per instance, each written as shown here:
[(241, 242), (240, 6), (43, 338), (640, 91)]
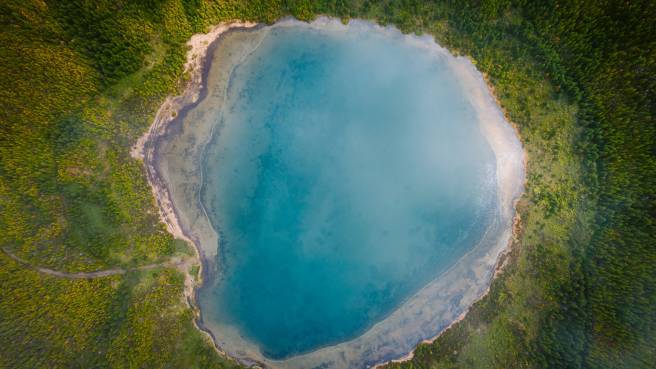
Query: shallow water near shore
[(360, 183)]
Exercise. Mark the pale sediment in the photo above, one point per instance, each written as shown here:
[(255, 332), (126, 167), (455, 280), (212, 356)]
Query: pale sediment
[(173, 151), (168, 119)]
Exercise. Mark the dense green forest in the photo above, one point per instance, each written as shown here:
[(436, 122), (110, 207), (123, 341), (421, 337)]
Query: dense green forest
[(80, 81)]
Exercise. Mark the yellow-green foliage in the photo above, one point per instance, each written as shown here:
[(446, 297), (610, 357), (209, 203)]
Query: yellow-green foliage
[(72, 199), (157, 307), (41, 80), (49, 321), (137, 320)]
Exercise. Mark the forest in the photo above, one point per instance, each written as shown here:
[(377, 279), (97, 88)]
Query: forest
[(81, 80)]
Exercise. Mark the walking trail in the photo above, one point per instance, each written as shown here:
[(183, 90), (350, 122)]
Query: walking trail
[(175, 262)]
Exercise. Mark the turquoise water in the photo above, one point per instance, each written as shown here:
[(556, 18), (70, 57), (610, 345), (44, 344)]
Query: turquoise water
[(346, 171)]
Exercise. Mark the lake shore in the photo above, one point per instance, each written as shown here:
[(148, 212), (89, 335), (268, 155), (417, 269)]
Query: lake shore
[(170, 113), (507, 190), (468, 280)]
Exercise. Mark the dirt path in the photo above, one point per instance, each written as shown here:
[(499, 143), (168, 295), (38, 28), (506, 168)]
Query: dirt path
[(176, 262)]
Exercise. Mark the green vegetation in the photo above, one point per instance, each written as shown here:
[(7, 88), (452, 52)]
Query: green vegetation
[(81, 80), (136, 320)]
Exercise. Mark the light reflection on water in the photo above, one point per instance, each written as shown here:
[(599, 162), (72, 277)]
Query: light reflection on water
[(347, 171)]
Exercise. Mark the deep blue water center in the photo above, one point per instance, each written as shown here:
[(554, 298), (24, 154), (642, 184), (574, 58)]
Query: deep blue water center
[(346, 171)]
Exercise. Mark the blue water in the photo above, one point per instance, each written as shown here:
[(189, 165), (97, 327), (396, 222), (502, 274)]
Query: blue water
[(346, 171)]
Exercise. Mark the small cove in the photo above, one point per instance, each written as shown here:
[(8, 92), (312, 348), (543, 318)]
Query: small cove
[(358, 198)]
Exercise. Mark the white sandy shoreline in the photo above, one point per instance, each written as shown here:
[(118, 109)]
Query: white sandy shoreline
[(497, 132)]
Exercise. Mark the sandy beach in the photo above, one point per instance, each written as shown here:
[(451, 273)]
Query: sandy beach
[(173, 148)]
